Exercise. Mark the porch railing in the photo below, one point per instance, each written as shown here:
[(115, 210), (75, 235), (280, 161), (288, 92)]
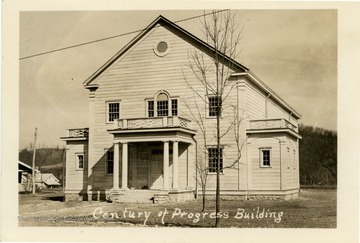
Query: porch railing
[(78, 133), (271, 124), (152, 122)]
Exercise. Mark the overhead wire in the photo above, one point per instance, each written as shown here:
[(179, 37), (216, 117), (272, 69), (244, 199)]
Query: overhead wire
[(110, 37)]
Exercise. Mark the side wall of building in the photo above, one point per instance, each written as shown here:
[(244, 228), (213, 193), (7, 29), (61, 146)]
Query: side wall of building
[(260, 105), (76, 179)]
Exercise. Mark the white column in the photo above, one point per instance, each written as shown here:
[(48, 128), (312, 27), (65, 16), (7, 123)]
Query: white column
[(116, 166), (175, 165), (90, 160), (124, 168), (166, 166)]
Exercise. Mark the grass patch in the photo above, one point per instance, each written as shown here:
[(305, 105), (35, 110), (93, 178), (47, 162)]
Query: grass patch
[(313, 209)]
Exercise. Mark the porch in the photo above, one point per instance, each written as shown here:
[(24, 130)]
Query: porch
[(152, 154)]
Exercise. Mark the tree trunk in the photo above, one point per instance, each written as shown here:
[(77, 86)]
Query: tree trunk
[(203, 199), (217, 222)]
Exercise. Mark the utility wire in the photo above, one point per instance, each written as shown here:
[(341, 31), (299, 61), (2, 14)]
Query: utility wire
[(110, 37)]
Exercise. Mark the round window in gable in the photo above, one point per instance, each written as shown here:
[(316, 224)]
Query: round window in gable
[(161, 48)]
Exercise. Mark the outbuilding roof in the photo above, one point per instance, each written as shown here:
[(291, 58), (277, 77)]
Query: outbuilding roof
[(24, 167)]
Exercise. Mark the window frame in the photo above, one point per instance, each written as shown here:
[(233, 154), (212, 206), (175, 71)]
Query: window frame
[(77, 161), (163, 107), (108, 103), (107, 162), (155, 47), (150, 110), (172, 107), (170, 110), (261, 155), (208, 107), (221, 160)]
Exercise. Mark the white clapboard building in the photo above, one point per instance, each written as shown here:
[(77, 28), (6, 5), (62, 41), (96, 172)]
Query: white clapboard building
[(142, 138)]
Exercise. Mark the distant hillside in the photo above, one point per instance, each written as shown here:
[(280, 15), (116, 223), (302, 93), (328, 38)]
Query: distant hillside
[(48, 160), (318, 156)]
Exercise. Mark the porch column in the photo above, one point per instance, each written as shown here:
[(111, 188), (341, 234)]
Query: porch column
[(175, 177), (166, 166), (116, 167), (124, 168)]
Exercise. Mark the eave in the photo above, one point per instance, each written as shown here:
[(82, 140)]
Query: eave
[(283, 130), (74, 138), (153, 134), (260, 84), (149, 130)]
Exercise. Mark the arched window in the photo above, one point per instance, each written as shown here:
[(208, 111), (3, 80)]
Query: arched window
[(162, 105)]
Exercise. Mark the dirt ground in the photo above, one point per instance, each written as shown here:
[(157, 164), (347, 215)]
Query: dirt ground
[(315, 208)]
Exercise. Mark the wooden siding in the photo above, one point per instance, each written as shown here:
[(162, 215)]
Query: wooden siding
[(76, 180), (265, 177), (140, 74), (257, 103), (292, 164)]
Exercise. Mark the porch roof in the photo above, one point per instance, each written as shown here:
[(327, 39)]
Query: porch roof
[(153, 134)]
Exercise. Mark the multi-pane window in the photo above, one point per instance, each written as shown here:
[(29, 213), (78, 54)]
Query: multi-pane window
[(265, 157), (213, 159), (213, 106), (162, 108), (162, 105), (113, 111), (174, 107), (110, 162), (151, 108), (79, 161)]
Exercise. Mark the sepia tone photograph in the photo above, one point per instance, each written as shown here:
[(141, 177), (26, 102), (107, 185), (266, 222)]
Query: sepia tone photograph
[(204, 118)]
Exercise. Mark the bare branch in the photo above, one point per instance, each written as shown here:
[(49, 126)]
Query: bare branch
[(212, 72)]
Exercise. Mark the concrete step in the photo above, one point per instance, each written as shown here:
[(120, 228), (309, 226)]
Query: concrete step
[(137, 196)]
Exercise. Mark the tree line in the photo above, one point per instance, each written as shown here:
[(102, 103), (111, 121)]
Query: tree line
[(48, 160), (318, 156)]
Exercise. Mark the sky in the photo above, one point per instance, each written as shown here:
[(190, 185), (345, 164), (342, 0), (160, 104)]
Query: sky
[(293, 51)]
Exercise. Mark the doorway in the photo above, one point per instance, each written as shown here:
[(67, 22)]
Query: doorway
[(156, 169)]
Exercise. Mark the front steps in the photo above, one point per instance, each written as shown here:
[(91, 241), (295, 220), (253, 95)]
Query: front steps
[(149, 196), (116, 195), (131, 196)]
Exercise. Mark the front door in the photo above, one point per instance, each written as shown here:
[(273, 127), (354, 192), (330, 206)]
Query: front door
[(142, 169), (156, 169)]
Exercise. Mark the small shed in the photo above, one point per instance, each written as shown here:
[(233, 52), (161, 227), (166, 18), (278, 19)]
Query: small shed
[(49, 180), (24, 176)]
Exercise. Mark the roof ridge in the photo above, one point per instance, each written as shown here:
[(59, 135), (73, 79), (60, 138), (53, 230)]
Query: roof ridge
[(157, 20)]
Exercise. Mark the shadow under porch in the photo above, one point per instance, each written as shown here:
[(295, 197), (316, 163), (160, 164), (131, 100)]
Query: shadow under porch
[(151, 175)]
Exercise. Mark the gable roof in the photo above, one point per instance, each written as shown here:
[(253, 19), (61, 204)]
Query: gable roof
[(162, 21), (49, 179)]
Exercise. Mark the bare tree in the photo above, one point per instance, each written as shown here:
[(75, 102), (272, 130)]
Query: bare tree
[(202, 173), (212, 71)]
